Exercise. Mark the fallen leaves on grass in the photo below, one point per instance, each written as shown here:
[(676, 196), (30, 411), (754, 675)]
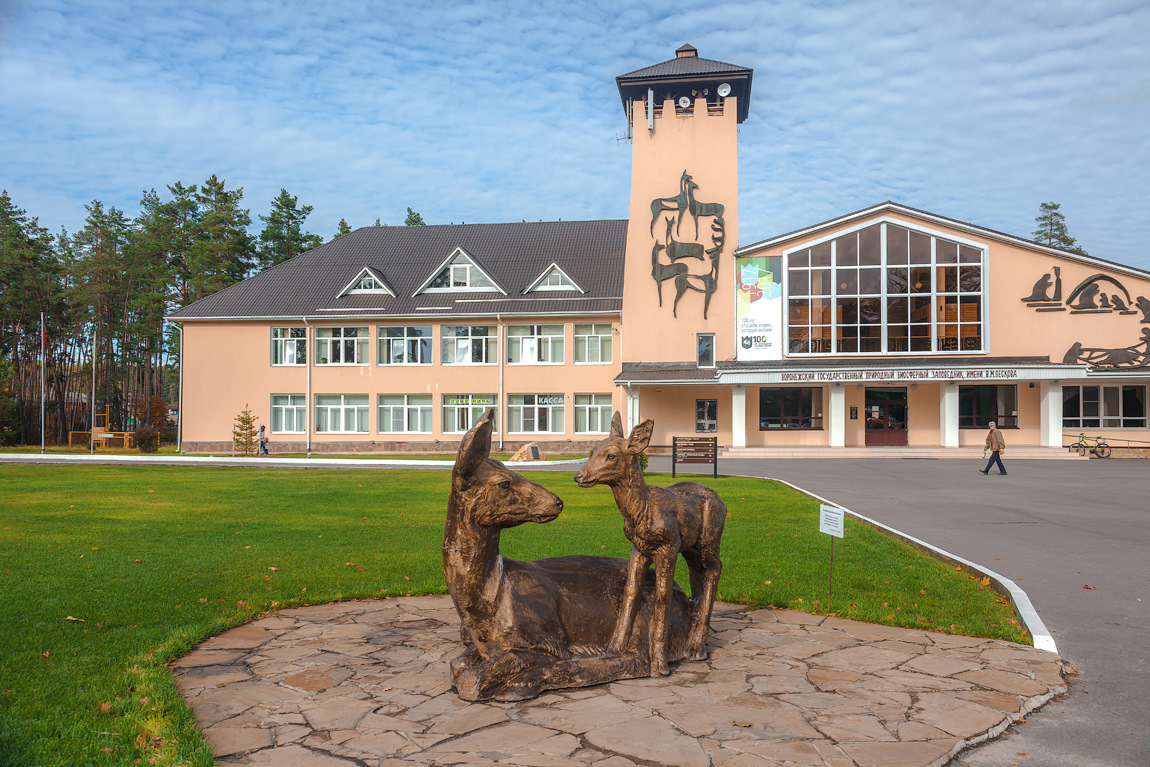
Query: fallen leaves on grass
[(105, 707), (78, 620)]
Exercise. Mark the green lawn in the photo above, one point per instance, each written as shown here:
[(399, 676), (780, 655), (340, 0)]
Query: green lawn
[(109, 572)]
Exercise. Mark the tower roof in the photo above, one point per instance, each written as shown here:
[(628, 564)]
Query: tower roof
[(687, 70)]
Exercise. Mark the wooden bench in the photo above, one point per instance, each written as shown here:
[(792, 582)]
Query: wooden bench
[(695, 450)]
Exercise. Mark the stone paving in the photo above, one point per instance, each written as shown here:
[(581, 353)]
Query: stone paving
[(366, 683)]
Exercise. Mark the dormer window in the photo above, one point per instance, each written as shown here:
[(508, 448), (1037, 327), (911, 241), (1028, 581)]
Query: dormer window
[(367, 281), (553, 278), (459, 273)]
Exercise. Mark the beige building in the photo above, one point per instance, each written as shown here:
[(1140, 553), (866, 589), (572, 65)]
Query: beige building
[(885, 327)]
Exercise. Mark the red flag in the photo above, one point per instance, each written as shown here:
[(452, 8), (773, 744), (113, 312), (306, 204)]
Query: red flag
[(43, 337)]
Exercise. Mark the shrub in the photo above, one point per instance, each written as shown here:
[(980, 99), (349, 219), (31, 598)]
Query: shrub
[(245, 432), (147, 438)]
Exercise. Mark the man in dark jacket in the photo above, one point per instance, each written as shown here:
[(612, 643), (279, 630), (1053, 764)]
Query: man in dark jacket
[(997, 445)]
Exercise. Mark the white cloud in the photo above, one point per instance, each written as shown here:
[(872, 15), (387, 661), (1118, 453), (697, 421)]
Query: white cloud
[(491, 111)]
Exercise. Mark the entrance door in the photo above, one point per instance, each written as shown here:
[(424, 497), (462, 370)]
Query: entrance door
[(886, 417)]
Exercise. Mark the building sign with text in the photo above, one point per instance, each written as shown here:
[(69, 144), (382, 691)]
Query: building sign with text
[(759, 308)]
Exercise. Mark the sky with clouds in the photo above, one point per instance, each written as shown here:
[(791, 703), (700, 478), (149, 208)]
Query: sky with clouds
[(502, 110)]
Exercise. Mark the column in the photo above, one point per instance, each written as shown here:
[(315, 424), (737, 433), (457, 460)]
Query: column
[(632, 408), (1050, 414), (948, 415), (836, 416), (739, 416)]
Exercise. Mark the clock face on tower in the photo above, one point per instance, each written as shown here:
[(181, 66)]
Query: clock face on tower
[(691, 265)]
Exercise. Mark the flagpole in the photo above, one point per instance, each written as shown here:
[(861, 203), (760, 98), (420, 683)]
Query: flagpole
[(43, 386), (92, 425)]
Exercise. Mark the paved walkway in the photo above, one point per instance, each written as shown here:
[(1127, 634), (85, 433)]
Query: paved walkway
[(366, 683)]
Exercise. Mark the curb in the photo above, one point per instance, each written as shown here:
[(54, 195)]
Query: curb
[(1008, 588), (290, 463)]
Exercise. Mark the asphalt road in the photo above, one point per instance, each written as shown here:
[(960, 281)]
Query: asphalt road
[(1054, 527)]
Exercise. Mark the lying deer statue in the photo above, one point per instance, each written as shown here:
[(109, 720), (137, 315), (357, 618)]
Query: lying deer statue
[(660, 522), (532, 626)]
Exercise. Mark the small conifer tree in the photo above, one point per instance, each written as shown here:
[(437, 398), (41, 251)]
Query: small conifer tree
[(244, 432)]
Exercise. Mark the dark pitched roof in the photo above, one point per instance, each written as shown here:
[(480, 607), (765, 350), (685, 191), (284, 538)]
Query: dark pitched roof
[(405, 256), (687, 71)]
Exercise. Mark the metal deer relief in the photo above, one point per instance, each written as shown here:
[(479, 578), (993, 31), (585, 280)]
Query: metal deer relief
[(544, 624), (1125, 357), (670, 264), (1097, 294), (661, 523)]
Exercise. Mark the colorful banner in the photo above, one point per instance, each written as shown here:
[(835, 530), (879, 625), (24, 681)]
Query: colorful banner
[(759, 308)]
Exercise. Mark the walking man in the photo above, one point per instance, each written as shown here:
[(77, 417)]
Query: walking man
[(997, 445), (263, 440)]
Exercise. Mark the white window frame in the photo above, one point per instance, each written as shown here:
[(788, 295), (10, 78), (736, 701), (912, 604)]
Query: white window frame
[(385, 344), (936, 320), (282, 343), (539, 345), (596, 335), (293, 409), (1102, 417), (357, 406), (450, 344), (463, 273), (593, 406), (523, 409), (367, 281), (417, 406), (544, 282), (359, 344), (473, 406)]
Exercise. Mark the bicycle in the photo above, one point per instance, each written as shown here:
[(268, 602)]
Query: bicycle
[(1096, 445)]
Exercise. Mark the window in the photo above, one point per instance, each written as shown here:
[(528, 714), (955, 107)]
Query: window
[(592, 413), (706, 415), (288, 414), (979, 405), (341, 413), (790, 408), (1105, 407), (289, 346), (884, 288), (366, 282), (468, 345), (535, 344), (593, 343), (405, 414), (341, 346), (409, 345), (535, 413), (705, 350), (461, 411), (459, 274), (553, 279)]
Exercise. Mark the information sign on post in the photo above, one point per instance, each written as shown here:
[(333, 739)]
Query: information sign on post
[(831, 522)]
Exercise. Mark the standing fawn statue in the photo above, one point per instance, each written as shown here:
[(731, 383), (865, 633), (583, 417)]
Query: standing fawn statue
[(531, 626), (660, 522)]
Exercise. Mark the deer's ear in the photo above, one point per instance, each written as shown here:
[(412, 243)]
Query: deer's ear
[(640, 437), (475, 446), (616, 425)]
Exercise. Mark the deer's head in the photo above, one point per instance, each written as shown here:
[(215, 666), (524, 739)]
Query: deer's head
[(486, 493), (616, 458)]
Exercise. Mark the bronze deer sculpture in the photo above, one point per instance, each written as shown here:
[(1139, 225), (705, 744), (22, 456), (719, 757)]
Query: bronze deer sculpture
[(530, 626), (660, 522)]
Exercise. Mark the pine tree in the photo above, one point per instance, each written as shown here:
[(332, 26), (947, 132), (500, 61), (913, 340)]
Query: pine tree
[(1051, 230), (344, 228), (413, 219), (283, 236), (244, 432), (224, 252)]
